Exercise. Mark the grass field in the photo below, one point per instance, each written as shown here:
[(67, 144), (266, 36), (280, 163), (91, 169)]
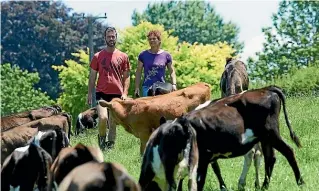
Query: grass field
[(303, 113)]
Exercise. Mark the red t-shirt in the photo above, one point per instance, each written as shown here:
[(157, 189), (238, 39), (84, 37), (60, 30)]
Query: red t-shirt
[(110, 67)]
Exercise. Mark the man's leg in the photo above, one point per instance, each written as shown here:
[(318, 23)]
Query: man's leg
[(111, 136), (102, 113)]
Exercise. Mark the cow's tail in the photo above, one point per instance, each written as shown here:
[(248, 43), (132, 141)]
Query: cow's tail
[(281, 95), (78, 125)]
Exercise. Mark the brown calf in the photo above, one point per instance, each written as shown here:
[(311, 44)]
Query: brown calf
[(70, 158), (141, 116), (99, 176)]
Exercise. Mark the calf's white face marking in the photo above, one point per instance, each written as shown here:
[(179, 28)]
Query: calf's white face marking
[(22, 149), (38, 137), (248, 136), (203, 105)]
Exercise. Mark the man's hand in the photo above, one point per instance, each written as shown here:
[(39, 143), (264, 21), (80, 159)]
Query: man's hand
[(137, 92), (89, 99), (174, 88), (124, 97)]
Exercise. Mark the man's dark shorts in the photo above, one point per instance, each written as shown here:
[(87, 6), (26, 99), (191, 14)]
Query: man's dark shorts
[(106, 97)]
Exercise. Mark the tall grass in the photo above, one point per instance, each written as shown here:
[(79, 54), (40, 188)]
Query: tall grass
[(303, 112)]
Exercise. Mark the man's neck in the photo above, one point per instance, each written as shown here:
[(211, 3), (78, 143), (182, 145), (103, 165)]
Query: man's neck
[(110, 49)]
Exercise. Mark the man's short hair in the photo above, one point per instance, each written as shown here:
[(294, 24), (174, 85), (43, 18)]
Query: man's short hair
[(109, 28), (156, 33)]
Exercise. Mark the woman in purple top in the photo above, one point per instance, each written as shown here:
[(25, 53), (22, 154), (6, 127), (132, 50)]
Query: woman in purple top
[(154, 61)]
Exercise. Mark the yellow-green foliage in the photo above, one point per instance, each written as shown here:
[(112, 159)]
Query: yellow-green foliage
[(74, 82), (193, 63)]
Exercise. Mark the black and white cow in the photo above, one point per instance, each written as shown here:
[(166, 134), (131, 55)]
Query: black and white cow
[(171, 154), (231, 126), (86, 120), (26, 168)]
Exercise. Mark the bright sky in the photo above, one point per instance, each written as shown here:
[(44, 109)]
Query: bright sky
[(249, 15)]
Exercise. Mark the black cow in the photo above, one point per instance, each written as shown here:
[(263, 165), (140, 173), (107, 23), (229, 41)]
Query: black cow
[(231, 126), (26, 167), (160, 88), (171, 154), (86, 120)]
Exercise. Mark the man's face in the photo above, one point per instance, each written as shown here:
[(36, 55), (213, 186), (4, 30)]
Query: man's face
[(110, 38), (153, 40)]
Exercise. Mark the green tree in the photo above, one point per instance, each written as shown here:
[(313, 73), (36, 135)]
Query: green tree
[(74, 82), (193, 63), (191, 21), (292, 41), (18, 92), (37, 34)]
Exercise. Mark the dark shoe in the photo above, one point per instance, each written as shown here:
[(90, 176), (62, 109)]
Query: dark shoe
[(102, 143), (109, 144)]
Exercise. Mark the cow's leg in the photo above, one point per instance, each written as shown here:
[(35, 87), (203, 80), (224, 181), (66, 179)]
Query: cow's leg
[(146, 177), (257, 160), (192, 183), (287, 151), (169, 167), (247, 162), (102, 114), (270, 159), (143, 139), (201, 174), (180, 185), (217, 172)]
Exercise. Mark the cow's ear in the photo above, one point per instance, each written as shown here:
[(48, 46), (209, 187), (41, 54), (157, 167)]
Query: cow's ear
[(228, 59), (162, 120)]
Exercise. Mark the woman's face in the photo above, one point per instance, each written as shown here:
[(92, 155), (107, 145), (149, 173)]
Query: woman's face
[(153, 40)]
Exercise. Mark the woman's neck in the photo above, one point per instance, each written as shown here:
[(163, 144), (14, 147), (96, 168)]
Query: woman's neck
[(155, 50)]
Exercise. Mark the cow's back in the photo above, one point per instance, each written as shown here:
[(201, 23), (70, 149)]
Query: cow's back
[(14, 120), (14, 138), (143, 114)]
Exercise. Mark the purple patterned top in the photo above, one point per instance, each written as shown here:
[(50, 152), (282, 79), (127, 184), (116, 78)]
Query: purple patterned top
[(154, 66)]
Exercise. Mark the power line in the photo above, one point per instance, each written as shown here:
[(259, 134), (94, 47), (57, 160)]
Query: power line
[(91, 20)]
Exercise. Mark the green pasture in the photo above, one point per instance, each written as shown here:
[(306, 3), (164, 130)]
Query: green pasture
[(303, 112)]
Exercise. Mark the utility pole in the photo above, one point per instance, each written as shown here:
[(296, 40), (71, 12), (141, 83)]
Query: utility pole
[(91, 20)]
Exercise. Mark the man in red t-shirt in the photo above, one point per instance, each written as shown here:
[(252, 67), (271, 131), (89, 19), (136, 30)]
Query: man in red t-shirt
[(113, 67)]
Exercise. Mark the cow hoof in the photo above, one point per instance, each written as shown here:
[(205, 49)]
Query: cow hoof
[(102, 143), (300, 182), (223, 188), (241, 185), (109, 144)]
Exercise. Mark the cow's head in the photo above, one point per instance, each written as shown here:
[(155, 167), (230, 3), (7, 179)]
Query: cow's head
[(160, 88), (69, 158)]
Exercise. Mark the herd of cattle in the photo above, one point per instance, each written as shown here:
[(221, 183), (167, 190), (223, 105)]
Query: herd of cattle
[(180, 133)]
